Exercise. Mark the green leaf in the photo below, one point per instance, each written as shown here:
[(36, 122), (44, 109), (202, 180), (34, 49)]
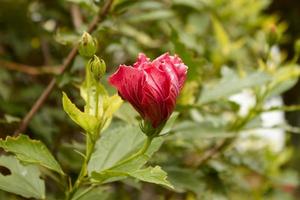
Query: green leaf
[(110, 106), (186, 55), (138, 35), (195, 4), (84, 120), (220, 35), (11, 119), (185, 180), (231, 84), (151, 15), (30, 151), (284, 79), (127, 114), (85, 193), (152, 175), (108, 176), (66, 37), (23, 180), (117, 144), (169, 125), (92, 91), (195, 131)]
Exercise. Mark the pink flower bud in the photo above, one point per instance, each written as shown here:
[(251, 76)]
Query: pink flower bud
[(151, 87)]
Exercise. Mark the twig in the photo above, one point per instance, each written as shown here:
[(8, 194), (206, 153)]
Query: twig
[(31, 70), (45, 51), (76, 16), (39, 102), (223, 144), (290, 108), (215, 150)]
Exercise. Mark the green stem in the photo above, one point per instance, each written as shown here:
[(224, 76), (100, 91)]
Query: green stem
[(290, 108), (138, 153), (97, 102), (85, 192), (238, 125), (90, 144)]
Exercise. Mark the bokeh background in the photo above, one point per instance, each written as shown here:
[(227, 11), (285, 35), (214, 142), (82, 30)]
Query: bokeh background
[(242, 54)]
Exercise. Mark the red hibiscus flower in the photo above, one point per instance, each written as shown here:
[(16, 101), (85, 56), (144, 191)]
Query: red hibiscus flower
[(151, 87)]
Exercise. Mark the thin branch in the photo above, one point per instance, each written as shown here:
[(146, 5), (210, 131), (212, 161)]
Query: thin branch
[(31, 70), (223, 144), (215, 150), (46, 52), (76, 16), (290, 108), (40, 101), (237, 126)]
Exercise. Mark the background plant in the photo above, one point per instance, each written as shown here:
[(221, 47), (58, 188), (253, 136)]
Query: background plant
[(229, 46)]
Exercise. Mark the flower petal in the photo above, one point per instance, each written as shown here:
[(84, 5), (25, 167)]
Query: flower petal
[(174, 66), (142, 61), (129, 82)]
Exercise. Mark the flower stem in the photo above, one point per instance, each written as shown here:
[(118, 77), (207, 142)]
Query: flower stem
[(85, 192), (138, 153), (90, 144)]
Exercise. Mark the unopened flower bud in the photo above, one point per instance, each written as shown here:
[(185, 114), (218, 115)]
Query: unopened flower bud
[(97, 67), (151, 87), (87, 45)]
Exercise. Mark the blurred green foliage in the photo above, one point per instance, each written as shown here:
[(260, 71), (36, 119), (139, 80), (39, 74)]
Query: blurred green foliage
[(229, 46)]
